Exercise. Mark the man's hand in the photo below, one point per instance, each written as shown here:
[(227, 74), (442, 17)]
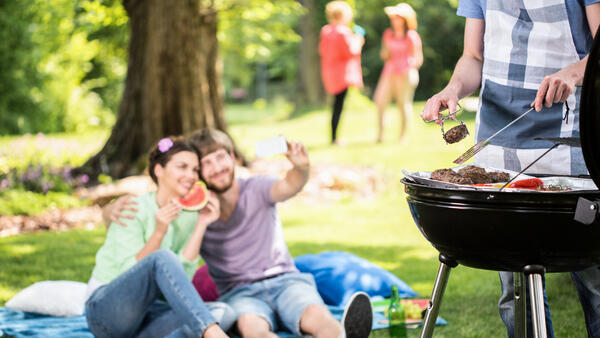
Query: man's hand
[(446, 99), (296, 177), (558, 86), (166, 215), (113, 212), (211, 211), (298, 155)]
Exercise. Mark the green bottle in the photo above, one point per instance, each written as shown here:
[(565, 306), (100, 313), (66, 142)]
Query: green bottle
[(396, 316)]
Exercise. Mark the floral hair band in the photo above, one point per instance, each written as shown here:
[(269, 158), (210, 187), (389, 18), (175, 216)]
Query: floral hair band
[(165, 144)]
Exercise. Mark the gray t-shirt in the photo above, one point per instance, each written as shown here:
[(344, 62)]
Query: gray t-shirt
[(250, 245)]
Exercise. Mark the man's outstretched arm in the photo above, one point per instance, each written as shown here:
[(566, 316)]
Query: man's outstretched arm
[(295, 178)]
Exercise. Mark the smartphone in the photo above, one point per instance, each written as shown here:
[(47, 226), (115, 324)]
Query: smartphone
[(271, 146)]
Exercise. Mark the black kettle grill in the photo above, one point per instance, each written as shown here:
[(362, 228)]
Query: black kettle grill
[(529, 233)]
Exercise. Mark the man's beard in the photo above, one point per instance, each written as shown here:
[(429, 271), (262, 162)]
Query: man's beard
[(222, 189)]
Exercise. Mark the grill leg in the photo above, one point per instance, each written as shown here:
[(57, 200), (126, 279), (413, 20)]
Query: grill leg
[(534, 278), (436, 295), (520, 305)]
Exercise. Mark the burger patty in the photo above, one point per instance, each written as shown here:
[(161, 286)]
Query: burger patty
[(456, 133)]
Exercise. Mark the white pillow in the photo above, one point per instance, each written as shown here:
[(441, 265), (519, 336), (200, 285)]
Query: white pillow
[(55, 298)]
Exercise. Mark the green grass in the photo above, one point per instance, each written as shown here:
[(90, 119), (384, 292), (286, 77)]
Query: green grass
[(380, 230)]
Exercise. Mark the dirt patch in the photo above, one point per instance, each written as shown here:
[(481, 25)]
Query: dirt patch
[(55, 220), (328, 183)]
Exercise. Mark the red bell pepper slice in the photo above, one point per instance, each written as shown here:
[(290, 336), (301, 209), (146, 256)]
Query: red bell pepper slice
[(531, 183)]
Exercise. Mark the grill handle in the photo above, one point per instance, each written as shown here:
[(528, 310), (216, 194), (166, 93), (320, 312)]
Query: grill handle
[(586, 211)]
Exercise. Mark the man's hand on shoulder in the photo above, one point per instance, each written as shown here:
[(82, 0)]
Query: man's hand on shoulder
[(114, 212)]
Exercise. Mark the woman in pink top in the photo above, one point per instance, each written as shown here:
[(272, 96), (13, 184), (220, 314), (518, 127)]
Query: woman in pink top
[(340, 50), (401, 50)]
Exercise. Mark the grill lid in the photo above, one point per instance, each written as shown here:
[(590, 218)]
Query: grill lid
[(589, 113)]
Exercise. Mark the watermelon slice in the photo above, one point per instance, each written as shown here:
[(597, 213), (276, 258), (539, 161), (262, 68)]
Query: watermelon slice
[(196, 198)]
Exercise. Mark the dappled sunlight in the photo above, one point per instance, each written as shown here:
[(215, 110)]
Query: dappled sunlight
[(18, 251)]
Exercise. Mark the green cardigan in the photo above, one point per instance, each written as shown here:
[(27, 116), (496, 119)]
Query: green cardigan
[(124, 242)]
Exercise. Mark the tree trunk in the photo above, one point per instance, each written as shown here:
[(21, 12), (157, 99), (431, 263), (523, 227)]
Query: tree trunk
[(311, 87), (172, 85)]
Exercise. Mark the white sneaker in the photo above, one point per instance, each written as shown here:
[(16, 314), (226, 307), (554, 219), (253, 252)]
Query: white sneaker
[(358, 316)]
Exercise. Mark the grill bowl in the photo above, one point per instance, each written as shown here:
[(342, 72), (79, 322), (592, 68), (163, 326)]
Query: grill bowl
[(505, 231)]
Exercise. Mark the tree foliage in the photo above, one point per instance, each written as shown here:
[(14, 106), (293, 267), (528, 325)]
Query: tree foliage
[(258, 33), (61, 64)]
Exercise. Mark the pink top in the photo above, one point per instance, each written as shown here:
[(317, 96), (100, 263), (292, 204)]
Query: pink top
[(402, 51), (340, 58)]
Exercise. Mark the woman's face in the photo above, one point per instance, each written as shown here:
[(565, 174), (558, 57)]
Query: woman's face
[(398, 23), (179, 174), (347, 18)]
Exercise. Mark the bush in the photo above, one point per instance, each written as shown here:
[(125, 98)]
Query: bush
[(20, 202)]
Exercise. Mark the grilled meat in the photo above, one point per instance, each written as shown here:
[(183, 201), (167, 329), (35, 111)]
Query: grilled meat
[(469, 175), (456, 133), (449, 175)]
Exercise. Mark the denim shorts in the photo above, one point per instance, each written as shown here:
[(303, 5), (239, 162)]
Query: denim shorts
[(280, 300)]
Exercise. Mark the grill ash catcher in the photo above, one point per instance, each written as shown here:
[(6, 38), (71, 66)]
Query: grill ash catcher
[(528, 233)]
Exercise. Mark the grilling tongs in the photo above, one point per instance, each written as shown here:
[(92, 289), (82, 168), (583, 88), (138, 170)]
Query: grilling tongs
[(481, 144)]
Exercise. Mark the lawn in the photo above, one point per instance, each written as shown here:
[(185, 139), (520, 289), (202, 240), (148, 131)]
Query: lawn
[(379, 229)]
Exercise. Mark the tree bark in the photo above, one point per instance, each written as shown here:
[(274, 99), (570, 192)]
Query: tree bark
[(311, 87), (173, 83)]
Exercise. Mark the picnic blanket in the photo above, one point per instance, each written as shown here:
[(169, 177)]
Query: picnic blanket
[(21, 324)]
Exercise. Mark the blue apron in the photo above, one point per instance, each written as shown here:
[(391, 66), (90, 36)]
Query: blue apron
[(525, 41)]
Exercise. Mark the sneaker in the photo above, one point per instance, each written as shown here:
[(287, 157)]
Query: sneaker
[(358, 316)]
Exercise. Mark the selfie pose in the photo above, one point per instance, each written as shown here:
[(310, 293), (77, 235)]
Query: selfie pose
[(152, 256)]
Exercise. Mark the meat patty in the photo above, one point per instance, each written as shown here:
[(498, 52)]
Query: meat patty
[(451, 176), (476, 174), (469, 175), (456, 133)]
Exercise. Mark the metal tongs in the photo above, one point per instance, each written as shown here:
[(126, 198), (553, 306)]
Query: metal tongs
[(481, 144), (460, 130)]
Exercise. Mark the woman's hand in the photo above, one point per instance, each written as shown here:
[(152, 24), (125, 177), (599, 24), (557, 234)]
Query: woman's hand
[(206, 216), (166, 215), (211, 211), (113, 212)]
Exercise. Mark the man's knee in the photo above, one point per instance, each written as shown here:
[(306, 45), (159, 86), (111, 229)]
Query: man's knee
[(249, 322), (317, 318), (316, 311)]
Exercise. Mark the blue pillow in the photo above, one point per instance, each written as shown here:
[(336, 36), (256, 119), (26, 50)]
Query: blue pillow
[(339, 274)]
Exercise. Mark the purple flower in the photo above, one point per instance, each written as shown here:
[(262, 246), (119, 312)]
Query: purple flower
[(165, 144), (84, 178), (66, 174), (4, 183)]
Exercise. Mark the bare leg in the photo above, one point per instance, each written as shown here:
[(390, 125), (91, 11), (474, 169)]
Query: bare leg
[(318, 321), (253, 326), (214, 331), (400, 88), (382, 98)]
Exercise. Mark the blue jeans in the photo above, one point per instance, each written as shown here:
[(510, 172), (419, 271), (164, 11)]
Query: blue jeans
[(129, 305), (587, 283), (279, 300)]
